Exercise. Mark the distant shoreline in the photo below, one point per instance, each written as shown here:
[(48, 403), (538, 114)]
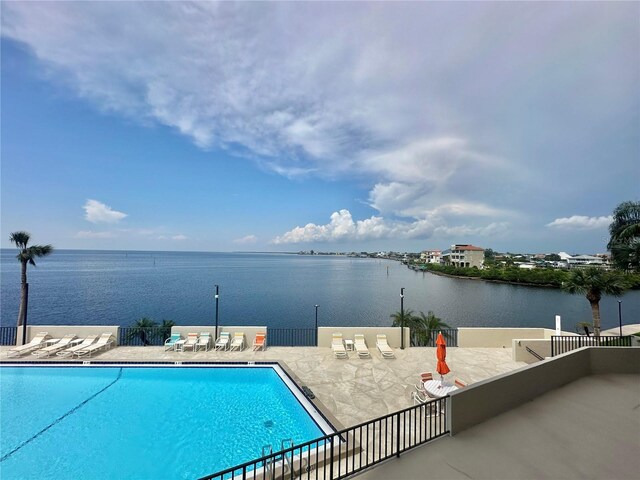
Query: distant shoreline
[(506, 282)]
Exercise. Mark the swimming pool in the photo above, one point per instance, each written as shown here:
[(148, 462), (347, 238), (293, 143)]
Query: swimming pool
[(144, 422)]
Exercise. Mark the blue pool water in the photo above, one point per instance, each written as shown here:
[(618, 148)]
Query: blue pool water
[(142, 423)]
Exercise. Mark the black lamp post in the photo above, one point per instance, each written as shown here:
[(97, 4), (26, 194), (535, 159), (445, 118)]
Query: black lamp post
[(402, 318), (619, 316), (317, 324), (24, 320), (217, 300)]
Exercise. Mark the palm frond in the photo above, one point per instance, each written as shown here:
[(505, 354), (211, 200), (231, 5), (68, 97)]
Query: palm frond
[(21, 239)]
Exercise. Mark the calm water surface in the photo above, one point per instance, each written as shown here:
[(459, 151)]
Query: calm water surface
[(277, 290)]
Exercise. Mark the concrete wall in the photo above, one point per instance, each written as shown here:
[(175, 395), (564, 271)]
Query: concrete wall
[(484, 400), (519, 352), (59, 331), (393, 335), (499, 337), (614, 360)]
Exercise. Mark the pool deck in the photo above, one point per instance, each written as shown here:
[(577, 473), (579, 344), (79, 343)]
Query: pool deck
[(352, 390)]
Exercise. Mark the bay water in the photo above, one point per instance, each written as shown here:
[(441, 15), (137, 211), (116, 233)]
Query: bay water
[(81, 287)]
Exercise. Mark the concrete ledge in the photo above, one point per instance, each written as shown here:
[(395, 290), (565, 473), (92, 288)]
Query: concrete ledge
[(484, 400), (500, 337)]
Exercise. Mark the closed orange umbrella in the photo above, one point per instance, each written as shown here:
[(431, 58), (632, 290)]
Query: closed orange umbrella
[(441, 353)]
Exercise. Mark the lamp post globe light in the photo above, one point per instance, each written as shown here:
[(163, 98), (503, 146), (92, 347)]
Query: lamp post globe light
[(402, 318)]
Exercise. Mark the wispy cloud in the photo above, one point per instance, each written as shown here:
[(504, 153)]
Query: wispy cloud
[(98, 212), (179, 237), (581, 222), (246, 240), (91, 234)]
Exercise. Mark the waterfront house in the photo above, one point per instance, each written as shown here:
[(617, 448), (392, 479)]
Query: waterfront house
[(463, 255), (430, 256)]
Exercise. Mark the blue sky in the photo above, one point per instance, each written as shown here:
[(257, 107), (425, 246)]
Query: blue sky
[(296, 126)]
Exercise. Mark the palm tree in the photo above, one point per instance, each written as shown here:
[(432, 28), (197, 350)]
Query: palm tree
[(624, 244), (26, 255), (397, 318), (421, 325), (429, 323), (593, 282), (142, 329), (165, 328)]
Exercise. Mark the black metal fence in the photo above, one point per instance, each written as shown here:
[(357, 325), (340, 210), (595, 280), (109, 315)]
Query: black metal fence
[(292, 337), (8, 335), (143, 336), (565, 343), (420, 339), (349, 451)]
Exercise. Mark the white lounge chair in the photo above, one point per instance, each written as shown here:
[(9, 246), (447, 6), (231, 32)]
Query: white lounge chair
[(419, 398), (191, 342), (59, 345), (223, 341), (337, 345), (204, 341), (36, 342), (170, 343), (385, 350), (238, 341), (104, 343), (361, 346), (68, 352)]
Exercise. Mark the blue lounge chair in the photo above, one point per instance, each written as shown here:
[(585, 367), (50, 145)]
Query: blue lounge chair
[(170, 343)]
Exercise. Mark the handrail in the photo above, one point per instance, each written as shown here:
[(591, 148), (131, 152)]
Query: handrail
[(535, 354), (565, 343), (351, 450)]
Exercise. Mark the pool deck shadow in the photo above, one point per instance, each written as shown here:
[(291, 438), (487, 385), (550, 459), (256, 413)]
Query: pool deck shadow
[(351, 390)]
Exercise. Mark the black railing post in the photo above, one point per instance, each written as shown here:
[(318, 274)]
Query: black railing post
[(398, 434), (331, 459)]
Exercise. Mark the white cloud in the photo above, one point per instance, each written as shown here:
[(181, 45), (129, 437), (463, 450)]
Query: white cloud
[(248, 239), (98, 212), (343, 228), (178, 237), (91, 234), (581, 222)]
